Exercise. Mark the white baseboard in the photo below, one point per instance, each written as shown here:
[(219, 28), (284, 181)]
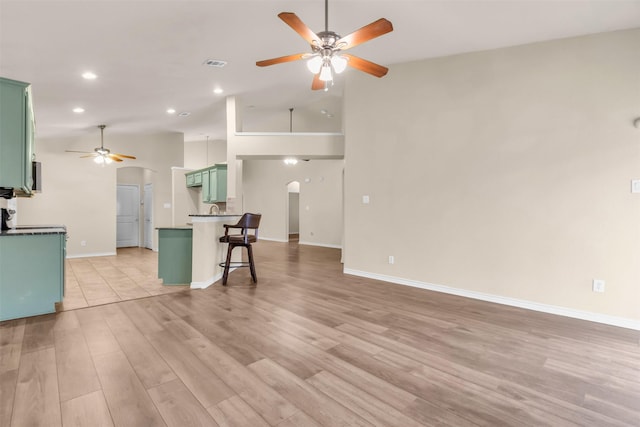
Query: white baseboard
[(91, 255), (205, 284), (530, 305), (324, 245), (269, 239)]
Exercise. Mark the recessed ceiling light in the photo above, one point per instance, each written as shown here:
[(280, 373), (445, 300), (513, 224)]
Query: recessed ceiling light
[(217, 91), (184, 114), (215, 63), (323, 111), (78, 110), (329, 115), (89, 75), (290, 161), (171, 111)]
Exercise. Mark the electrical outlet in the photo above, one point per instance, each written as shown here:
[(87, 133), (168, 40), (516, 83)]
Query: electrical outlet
[(391, 259), (365, 200), (83, 243), (598, 285)]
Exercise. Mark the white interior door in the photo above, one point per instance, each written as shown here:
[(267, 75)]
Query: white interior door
[(148, 216), (128, 216)]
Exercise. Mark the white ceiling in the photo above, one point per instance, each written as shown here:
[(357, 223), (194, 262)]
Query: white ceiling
[(149, 54)]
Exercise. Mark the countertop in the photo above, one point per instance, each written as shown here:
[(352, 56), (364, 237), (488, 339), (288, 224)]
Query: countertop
[(31, 230), (180, 227)]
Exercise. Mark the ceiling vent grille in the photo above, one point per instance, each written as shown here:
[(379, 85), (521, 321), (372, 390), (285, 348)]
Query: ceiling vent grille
[(215, 63)]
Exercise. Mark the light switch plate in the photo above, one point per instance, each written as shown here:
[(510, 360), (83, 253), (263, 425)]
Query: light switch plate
[(635, 185), (365, 200)]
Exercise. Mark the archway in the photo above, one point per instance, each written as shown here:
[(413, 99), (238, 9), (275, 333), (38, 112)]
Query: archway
[(293, 211)]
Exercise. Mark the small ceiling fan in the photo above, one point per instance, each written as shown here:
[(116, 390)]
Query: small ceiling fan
[(103, 155), (327, 48)]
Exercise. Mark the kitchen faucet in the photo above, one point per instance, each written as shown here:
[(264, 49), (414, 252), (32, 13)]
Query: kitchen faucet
[(217, 209)]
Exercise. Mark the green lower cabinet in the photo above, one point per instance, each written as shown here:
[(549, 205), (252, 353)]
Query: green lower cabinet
[(31, 274), (174, 255)]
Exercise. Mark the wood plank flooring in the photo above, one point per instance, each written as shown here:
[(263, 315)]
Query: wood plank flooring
[(307, 346)]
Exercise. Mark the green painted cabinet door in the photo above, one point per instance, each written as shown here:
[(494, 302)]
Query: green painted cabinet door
[(206, 183), (218, 186), (31, 274), (174, 255), (194, 179), (16, 136)]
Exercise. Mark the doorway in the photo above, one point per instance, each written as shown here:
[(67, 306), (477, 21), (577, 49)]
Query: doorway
[(293, 211), (128, 215)]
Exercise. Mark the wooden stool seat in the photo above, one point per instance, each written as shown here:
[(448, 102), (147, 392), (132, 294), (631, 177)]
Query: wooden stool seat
[(248, 221)]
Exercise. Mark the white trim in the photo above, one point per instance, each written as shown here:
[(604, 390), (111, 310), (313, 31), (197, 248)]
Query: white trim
[(324, 245), (205, 284), (273, 240), (530, 305), (92, 255)]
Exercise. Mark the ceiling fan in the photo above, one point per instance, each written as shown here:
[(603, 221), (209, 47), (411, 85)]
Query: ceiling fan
[(327, 48), (103, 155)]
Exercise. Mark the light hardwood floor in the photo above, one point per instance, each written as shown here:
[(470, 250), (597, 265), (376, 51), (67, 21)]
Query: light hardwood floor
[(310, 346)]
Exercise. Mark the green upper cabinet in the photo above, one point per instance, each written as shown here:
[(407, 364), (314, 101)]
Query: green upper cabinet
[(213, 181), (194, 179), (17, 130), (214, 184)]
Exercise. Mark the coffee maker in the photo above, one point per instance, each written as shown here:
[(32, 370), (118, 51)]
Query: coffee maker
[(7, 208)]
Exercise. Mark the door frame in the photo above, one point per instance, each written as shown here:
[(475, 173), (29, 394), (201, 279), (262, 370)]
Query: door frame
[(148, 207)]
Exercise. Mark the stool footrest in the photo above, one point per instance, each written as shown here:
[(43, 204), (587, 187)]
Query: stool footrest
[(235, 264)]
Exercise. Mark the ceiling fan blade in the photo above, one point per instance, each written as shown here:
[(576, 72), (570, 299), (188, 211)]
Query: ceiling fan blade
[(292, 20), (124, 156), (366, 33), (281, 59), (74, 151), (114, 157), (89, 155), (317, 83), (366, 66)]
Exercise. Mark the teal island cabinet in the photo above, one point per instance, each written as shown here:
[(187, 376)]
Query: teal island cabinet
[(31, 271), (174, 255)]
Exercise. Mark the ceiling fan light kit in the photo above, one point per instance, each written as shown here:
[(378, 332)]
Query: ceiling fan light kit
[(326, 46), (103, 155)]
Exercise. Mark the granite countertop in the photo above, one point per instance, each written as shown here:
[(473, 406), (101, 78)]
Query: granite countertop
[(31, 230)]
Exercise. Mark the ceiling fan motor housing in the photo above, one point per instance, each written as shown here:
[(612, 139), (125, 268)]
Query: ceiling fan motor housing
[(329, 39)]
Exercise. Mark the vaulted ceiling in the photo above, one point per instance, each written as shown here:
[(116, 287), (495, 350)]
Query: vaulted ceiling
[(148, 55)]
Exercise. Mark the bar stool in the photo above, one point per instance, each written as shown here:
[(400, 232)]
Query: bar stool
[(248, 221)]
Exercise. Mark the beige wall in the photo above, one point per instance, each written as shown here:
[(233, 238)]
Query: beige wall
[(186, 201), (200, 154), (503, 173), (265, 191), (82, 195)]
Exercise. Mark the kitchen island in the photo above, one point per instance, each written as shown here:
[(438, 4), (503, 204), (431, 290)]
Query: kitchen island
[(31, 270), (207, 251)]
